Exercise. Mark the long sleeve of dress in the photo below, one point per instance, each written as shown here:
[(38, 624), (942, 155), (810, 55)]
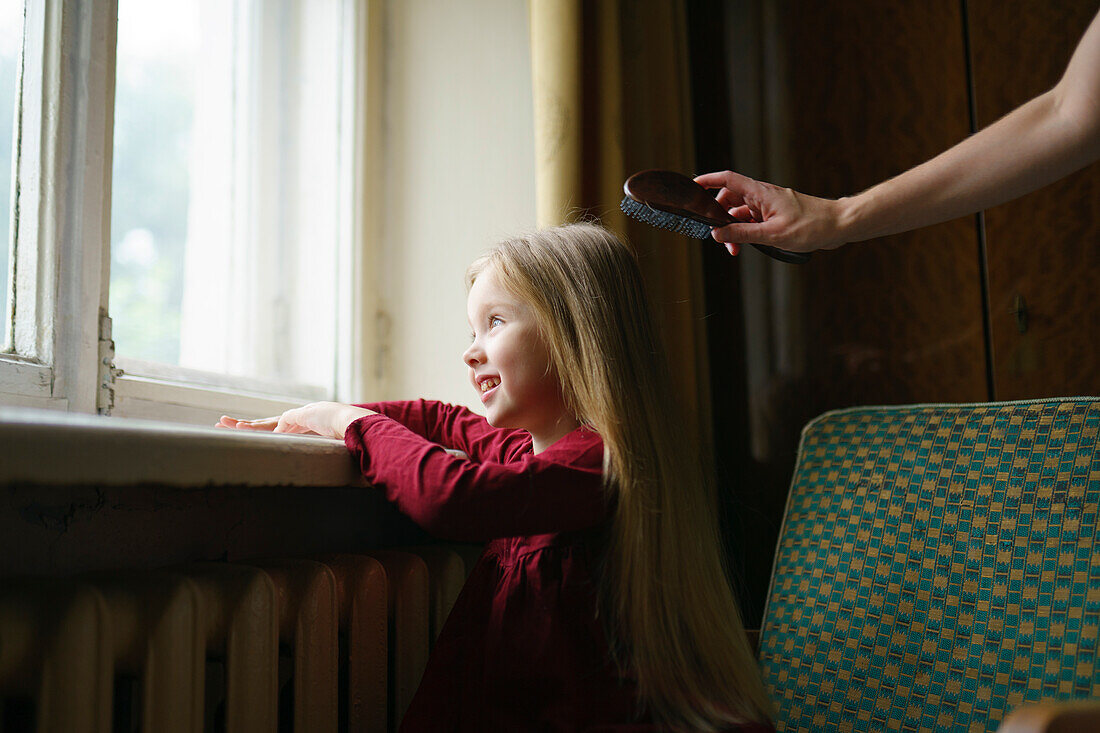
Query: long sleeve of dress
[(453, 426), (501, 490)]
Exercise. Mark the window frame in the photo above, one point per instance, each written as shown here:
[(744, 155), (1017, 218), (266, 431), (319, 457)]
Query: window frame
[(62, 337), (58, 210)]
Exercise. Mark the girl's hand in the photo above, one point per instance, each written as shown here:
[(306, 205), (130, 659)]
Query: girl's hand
[(329, 419), (772, 215)]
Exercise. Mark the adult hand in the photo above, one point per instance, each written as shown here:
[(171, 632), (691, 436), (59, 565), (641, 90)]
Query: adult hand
[(329, 419), (772, 215)]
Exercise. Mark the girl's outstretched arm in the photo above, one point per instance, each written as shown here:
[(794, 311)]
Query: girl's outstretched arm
[(1049, 137), (329, 419), (519, 493), (452, 426)]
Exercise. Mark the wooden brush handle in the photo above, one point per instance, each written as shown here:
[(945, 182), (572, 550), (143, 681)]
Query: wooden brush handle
[(676, 194)]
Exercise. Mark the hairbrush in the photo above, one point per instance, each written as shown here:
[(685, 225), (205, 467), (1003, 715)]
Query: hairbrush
[(673, 201)]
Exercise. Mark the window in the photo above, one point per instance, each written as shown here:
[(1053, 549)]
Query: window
[(11, 42), (208, 231)]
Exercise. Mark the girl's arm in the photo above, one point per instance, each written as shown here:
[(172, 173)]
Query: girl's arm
[(329, 419), (452, 426), (559, 490), (449, 425), (1047, 138)]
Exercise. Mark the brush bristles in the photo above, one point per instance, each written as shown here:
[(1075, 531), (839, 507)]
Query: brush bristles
[(663, 219)]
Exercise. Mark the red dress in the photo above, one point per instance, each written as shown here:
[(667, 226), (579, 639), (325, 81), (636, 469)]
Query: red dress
[(522, 648)]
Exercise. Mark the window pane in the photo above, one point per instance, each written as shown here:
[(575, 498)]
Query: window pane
[(226, 196), (11, 46), (154, 110)]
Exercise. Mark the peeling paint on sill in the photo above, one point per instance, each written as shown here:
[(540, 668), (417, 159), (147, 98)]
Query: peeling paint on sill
[(59, 517)]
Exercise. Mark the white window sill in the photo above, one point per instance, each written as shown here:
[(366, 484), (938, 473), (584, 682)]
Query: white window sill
[(48, 447)]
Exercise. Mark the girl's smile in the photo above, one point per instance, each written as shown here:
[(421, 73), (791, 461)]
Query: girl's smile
[(487, 384), (510, 365)]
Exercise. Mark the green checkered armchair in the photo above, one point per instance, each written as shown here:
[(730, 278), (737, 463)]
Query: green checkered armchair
[(939, 567)]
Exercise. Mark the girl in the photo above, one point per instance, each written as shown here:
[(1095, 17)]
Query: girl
[(601, 601)]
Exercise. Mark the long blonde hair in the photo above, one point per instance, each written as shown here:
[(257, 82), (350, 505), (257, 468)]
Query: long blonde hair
[(664, 592)]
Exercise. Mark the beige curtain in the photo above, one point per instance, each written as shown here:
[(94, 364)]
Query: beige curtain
[(612, 98)]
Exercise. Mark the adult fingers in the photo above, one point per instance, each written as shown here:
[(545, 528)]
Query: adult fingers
[(725, 179), (739, 233), (729, 199), (744, 213)]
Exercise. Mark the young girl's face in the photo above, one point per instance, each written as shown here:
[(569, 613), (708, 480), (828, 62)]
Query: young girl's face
[(510, 364)]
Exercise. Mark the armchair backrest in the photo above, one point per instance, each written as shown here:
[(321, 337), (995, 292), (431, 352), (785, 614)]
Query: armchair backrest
[(938, 565)]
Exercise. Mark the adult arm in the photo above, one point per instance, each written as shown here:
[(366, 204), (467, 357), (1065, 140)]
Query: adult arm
[(1047, 138)]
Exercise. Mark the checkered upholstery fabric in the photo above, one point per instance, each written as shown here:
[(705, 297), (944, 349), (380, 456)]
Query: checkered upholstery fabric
[(938, 565)]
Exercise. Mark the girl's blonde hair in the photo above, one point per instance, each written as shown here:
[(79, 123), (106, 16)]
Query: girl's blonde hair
[(668, 606)]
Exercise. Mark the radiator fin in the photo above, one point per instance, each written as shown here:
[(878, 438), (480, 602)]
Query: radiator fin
[(202, 643)]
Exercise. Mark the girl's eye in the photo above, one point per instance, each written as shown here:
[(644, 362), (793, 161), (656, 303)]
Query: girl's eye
[(495, 321)]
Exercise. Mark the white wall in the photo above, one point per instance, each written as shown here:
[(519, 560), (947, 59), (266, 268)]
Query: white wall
[(458, 175)]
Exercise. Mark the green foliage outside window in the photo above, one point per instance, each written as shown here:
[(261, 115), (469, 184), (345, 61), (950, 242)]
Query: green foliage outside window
[(149, 202)]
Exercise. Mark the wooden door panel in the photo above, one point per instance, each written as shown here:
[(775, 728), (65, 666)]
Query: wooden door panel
[(872, 89), (1043, 249)]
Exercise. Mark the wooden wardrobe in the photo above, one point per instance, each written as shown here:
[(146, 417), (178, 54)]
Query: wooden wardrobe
[(830, 98)]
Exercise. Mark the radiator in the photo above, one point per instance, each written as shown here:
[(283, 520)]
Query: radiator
[(331, 643)]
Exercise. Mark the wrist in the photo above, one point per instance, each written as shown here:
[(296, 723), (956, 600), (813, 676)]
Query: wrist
[(850, 218), (347, 416)]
